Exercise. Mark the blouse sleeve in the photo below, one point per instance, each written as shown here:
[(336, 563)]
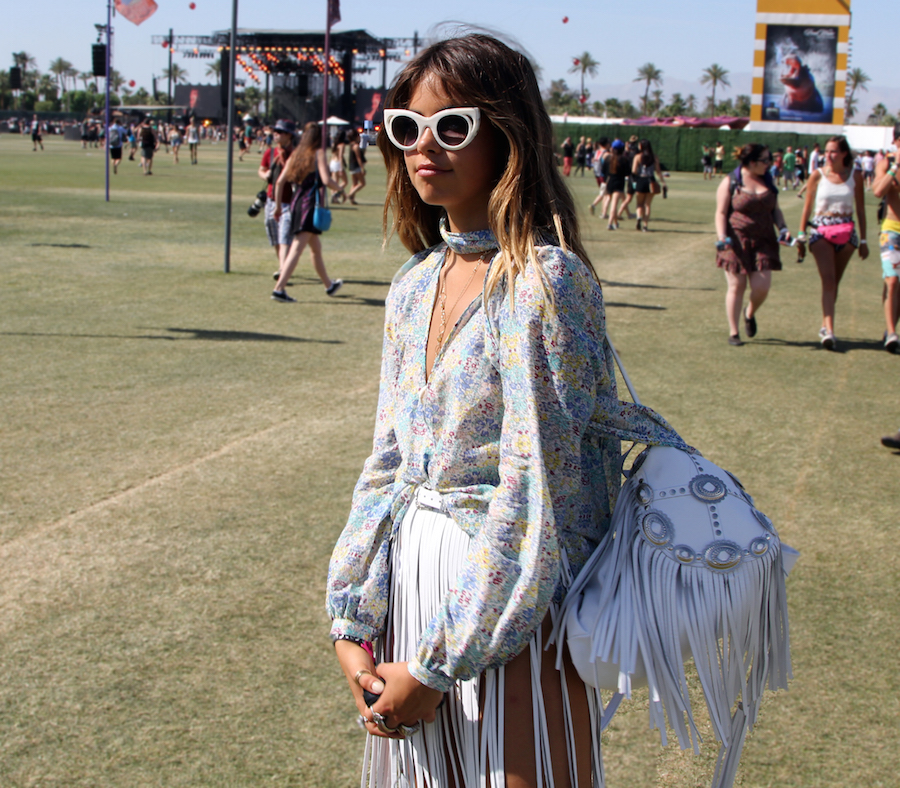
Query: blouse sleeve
[(358, 575), (545, 351)]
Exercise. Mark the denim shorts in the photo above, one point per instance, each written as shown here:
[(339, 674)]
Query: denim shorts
[(279, 231)]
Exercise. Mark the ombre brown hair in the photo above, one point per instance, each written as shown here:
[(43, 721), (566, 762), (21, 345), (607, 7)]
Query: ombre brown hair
[(529, 204), (303, 160)]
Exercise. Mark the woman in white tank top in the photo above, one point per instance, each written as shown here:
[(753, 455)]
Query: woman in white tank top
[(835, 191)]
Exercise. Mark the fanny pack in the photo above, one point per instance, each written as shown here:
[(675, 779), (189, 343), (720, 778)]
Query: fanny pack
[(838, 234)]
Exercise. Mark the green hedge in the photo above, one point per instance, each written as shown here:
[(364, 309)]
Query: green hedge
[(679, 148)]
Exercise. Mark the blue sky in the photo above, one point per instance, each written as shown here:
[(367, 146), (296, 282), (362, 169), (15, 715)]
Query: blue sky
[(680, 38)]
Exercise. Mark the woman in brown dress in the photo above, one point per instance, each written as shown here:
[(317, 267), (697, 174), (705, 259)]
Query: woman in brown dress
[(747, 214)]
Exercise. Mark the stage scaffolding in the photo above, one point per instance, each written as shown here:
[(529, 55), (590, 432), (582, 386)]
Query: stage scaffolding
[(288, 65)]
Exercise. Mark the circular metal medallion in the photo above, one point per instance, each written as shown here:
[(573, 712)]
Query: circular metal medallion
[(657, 528), (708, 488), (644, 493), (759, 546), (684, 554), (722, 555)]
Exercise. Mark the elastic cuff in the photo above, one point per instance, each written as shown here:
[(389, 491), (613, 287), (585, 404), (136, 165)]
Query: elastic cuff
[(344, 629), (424, 676)]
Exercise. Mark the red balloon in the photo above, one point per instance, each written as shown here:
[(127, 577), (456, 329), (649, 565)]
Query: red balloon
[(132, 83), (565, 19), (576, 62), (165, 44), (192, 6)]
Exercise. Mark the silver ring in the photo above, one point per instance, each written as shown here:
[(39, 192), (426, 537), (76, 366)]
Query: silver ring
[(361, 672), (381, 722), (401, 730)]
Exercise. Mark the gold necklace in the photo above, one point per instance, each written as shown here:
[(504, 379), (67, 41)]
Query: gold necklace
[(442, 296)]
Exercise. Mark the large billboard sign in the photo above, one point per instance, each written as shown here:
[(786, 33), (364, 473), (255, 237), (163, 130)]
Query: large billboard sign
[(800, 65)]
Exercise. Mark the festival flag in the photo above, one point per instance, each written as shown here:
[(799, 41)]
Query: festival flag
[(136, 10), (334, 12)]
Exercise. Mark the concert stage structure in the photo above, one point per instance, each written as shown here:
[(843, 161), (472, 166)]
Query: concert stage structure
[(289, 66)]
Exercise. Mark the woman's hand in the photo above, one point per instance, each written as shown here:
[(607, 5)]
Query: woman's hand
[(277, 212), (403, 699), (863, 250)]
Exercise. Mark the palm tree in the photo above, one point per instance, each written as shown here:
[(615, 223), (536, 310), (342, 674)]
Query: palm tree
[(72, 73), (716, 75), (85, 77), (657, 102), (61, 68), (116, 80), (214, 69), (856, 78), (691, 104), (650, 74), (584, 65), (879, 116), (178, 74), (47, 88)]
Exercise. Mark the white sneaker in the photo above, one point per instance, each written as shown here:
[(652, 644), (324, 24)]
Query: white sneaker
[(827, 339), (891, 342)]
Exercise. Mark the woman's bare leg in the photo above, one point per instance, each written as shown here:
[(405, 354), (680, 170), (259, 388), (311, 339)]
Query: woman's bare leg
[(734, 300), (315, 248), (290, 261), (519, 744), (760, 283), (831, 267)]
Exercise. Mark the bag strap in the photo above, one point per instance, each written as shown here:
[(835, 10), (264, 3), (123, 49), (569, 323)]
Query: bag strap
[(634, 397)]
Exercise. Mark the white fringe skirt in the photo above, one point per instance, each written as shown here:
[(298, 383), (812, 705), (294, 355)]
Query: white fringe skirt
[(464, 746)]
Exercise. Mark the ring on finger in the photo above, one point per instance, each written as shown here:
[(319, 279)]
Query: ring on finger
[(381, 722), (361, 672)]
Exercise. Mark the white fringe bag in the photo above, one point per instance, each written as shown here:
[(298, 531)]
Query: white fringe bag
[(688, 568)]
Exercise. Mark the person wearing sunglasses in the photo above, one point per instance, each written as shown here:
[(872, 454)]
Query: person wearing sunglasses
[(747, 215), (497, 441)]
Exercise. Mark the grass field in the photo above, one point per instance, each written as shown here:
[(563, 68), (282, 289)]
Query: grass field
[(177, 454)]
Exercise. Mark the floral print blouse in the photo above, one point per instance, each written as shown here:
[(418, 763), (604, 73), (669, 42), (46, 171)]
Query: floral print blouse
[(519, 427)]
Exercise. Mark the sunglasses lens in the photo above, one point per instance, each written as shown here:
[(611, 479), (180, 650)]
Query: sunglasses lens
[(453, 129), (405, 130)]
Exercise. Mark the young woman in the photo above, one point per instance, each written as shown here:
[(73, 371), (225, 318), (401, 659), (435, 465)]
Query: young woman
[(645, 168), (832, 194), (615, 173), (357, 165), (307, 169), (496, 446), (193, 139), (176, 142), (747, 214), (336, 168)]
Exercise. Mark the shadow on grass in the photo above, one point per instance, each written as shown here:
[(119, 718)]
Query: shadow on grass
[(195, 334), (607, 283), (844, 345), (621, 305), (240, 336), (65, 246)]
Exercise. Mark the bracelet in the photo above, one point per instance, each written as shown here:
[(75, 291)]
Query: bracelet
[(863, 242)]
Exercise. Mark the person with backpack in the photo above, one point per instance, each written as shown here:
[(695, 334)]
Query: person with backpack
[(149, 145), (747, 214), (117, 134)]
